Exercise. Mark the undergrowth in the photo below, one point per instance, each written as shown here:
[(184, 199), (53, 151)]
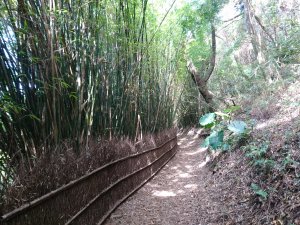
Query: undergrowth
[(63, 165), (261, 177)]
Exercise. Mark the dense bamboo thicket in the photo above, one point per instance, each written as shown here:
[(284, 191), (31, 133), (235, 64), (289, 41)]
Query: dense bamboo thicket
[(71, 70), (75, 70)]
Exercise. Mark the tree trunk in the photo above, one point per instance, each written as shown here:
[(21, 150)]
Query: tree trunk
[(201, 77), (255, 36)]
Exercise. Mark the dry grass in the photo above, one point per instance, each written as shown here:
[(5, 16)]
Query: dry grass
[(63, 165)]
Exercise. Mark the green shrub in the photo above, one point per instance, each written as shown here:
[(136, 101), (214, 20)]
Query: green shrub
[(224, 130)]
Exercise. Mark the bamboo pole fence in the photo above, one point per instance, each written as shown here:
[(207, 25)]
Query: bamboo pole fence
[(93, 197)]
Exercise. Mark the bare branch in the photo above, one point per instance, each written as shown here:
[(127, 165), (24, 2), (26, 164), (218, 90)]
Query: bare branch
[(225, 21)]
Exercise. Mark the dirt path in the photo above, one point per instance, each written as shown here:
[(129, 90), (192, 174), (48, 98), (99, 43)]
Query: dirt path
[(172, 197)]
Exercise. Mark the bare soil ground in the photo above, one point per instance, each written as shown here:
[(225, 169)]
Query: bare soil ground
[(173, 196)]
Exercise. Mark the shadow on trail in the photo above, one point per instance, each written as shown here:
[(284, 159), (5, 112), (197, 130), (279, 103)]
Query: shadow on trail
[(172, 196)]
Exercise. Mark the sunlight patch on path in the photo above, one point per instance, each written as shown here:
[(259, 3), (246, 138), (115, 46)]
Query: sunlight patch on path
[(200, 150), (169, 198), (164, 193)]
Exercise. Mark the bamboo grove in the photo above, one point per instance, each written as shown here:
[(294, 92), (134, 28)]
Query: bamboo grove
[(74, 69)]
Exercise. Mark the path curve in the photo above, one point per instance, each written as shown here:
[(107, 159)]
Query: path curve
[(172, 196)]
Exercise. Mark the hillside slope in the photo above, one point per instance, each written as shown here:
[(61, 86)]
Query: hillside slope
[(259, 183)]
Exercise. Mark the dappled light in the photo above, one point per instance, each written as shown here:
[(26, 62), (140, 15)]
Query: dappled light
[(191, 186), (186, 111), (177, 184), (200, 150), (278, 121), (164, 193), (203, 163)]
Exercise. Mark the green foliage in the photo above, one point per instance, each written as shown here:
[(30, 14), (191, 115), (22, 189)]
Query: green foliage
[(259, 158), (220, 124), (7, 105), (237, 127), (5, 172), (266, 164), (288, 161), (257, 152), (107, 67), (195, 20), (216, 139), (109, 63), (259, 191), (208, 120)]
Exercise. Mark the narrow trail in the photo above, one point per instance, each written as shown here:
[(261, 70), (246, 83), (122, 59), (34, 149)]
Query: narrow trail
[(171, 197)]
